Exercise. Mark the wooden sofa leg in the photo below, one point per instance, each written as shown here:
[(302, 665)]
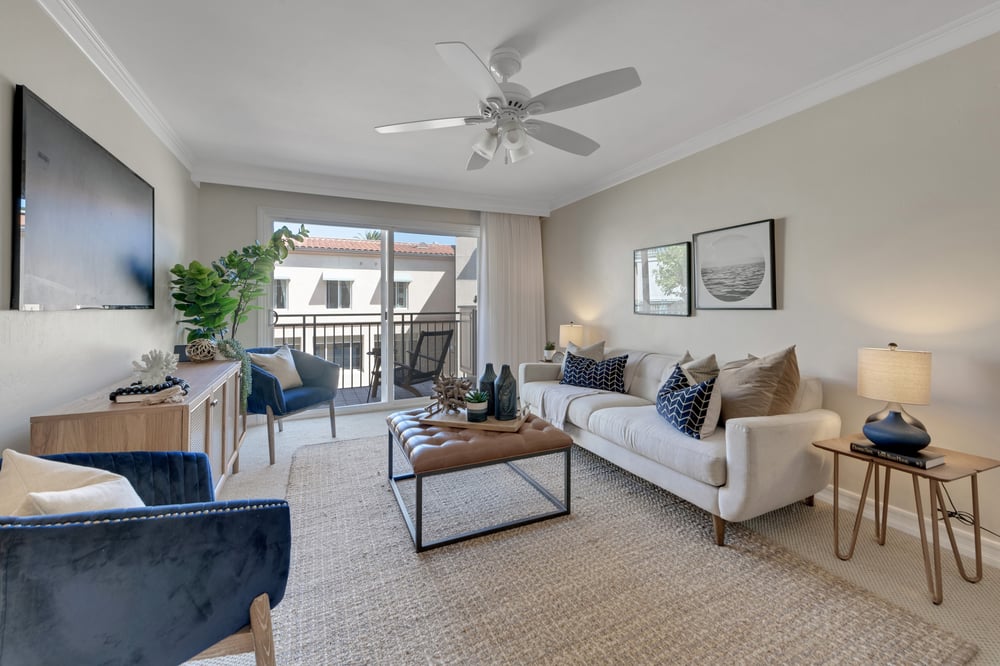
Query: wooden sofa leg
[(270, 433), (720, 530), (809, 501)]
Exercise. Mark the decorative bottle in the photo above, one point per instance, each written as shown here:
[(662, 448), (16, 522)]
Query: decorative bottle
[(506, 395), (486, 386)]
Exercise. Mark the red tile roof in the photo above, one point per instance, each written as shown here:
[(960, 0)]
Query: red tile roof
[(319, 244)]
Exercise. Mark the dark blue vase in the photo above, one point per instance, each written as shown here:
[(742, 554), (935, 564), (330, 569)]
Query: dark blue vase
[(506, 395), (895, 434), (486, 385)]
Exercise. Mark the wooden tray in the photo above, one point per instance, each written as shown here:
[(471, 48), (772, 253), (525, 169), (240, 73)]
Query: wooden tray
[(460, 420)]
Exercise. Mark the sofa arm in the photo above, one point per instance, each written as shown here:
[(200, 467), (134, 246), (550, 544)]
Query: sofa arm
[(538, 372), (265, 391), (771, 462), (316, 371), (159, 584)]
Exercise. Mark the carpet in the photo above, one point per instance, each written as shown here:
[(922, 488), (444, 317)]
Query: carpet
[(632, 576)]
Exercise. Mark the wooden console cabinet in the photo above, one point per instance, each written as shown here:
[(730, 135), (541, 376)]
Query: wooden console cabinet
[(207, 420)]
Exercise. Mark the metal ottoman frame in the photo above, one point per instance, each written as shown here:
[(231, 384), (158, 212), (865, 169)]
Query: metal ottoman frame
[(415, 524)]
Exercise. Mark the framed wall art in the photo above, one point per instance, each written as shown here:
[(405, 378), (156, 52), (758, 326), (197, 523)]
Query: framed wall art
[(663, 280), (734, 267)]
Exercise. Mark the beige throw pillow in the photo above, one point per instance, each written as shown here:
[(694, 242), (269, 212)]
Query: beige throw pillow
[(281, 365), (31, 486), (759, 386), (700, 370)]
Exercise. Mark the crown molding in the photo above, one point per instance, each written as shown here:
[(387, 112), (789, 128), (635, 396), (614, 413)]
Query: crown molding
[(948, 37), (351, 188), (76, 26)]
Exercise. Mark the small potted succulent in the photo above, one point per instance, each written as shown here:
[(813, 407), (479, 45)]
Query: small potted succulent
[(475, 406), (549, 351)]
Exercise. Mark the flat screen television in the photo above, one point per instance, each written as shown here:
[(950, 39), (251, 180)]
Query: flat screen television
[(83, 221)]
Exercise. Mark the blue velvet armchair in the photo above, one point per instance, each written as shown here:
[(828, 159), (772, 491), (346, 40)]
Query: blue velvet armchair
[(152, 585), (320, 379)]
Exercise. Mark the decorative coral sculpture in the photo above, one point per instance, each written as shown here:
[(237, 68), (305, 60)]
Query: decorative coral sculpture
[(155, 367), (449, 394)]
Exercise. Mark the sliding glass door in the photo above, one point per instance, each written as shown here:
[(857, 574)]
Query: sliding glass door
[(393, 307)]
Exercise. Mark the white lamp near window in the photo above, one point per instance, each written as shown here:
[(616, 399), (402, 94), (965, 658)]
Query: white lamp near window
[(897, 376)]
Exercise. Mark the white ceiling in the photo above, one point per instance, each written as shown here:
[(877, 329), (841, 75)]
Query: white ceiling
[(285, 93)]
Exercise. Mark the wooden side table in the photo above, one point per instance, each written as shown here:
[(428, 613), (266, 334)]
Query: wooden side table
[(956, 466)]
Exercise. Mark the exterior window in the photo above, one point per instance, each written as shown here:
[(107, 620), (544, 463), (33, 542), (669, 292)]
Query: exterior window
[(347, 355), (338, 294), (280, 294), (402, 294)]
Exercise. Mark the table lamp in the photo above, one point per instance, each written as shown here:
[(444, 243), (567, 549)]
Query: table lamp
[(896, 376), (570, 333)]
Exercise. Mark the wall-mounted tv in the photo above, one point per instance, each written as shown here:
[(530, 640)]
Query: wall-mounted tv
[(83, 221)]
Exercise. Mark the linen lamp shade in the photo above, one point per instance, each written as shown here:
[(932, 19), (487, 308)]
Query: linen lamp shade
[(570, 333), (895, 375)]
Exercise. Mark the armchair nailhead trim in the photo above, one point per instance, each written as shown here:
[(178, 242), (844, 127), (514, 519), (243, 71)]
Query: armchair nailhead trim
[(158, 516)]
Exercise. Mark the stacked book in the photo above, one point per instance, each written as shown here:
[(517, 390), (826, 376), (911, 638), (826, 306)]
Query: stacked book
[(924, 459)]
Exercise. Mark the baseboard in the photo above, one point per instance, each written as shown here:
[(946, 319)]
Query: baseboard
[(906, 522)]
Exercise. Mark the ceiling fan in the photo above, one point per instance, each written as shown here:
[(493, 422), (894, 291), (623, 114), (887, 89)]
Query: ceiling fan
[(507, 108)]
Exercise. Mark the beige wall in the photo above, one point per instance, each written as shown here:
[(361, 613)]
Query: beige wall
[(52, 357), (888, 209), (229, 220)]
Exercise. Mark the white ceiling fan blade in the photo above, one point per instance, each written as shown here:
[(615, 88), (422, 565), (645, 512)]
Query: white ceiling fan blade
[(477, 161), (586, 90), (560, 137), (464, 62), (437, 123)]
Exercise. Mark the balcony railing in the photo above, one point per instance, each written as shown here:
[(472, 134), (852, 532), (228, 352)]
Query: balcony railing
[(353, 341)]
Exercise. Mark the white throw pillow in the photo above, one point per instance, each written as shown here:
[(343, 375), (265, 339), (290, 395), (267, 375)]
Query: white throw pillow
[(23, 475), (281, 365), (114, 494)]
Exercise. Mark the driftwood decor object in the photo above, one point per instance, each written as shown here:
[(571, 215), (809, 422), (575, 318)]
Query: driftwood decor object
[(449, 394)]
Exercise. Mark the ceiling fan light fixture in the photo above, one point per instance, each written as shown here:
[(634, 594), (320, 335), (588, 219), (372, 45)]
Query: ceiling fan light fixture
[(486, 145), (515, 155)]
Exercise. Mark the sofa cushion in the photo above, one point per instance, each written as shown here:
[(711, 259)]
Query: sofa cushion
[(607, 375), (759, 387), (581, 408), (642, 430), (645, 371)]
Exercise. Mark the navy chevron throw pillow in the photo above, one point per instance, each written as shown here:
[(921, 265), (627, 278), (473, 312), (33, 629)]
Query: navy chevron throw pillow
[(690, 409), (607, 375)]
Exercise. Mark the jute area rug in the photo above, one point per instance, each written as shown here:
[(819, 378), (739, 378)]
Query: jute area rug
[(632, 576)]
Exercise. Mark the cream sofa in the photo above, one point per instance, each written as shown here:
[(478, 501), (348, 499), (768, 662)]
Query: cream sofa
[(747, 467)]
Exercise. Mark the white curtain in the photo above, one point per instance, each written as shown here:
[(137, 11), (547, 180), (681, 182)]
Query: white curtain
[(511, 294)]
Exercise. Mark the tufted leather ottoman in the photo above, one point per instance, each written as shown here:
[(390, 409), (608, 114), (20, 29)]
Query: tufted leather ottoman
[(437, 449)]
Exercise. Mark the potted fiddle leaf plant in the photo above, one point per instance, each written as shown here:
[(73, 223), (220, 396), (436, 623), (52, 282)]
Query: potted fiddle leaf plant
[(216, 299), (475, 406)]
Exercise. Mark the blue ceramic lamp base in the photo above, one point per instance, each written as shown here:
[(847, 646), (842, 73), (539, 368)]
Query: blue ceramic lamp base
[(895, 432)]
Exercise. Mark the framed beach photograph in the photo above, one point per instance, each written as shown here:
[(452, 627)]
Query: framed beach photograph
[(663, 280), (734, 267)]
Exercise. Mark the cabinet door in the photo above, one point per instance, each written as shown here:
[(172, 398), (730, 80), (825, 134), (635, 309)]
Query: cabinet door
[(215, 427), (197, 428)]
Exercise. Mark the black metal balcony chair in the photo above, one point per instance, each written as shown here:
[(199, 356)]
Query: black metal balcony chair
[(426, 361)]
